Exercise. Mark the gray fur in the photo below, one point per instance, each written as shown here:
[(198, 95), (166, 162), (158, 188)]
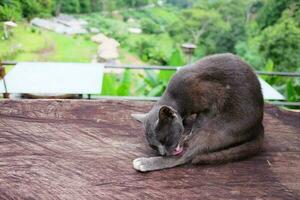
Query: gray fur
[(226, 97)]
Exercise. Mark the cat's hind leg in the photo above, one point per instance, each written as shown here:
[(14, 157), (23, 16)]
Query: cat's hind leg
[(217, 139), (238, 152)]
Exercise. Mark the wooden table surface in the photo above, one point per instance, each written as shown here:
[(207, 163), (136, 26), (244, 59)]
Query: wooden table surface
[(79, 149)]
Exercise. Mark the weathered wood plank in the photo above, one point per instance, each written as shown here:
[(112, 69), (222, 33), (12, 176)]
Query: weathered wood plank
[(76, 149)]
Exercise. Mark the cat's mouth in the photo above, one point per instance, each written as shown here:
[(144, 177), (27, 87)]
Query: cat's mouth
[(177, 151), (180, 147)]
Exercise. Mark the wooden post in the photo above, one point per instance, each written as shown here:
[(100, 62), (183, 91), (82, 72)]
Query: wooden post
[(2, 74), (5, 29)]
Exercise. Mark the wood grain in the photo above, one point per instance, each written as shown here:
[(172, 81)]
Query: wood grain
[(76, 149)]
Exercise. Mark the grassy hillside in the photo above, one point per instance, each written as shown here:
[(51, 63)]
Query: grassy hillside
[(32, 44)]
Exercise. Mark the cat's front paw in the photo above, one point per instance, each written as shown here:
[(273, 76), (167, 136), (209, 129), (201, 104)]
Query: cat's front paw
[(140, 164), (144, 164)]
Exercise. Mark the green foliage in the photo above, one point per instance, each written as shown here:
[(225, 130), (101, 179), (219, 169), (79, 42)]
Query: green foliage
[(10, 10), (69, 6), (150, 26), (149, 52), (124, 84), (33, 8), (235, 14), (293, 90), (176, 59), (272, 10), (280, 43), (15, 9), (119, 85), (203, 27), (147, 83), (109, 85), (85, 6), (180, 3), (32, 44)]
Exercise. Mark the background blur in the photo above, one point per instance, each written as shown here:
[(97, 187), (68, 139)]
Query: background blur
[(265, 33)]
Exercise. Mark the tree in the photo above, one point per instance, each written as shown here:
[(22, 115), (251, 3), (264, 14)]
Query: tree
[(69, 6), (181, 3), (96, 5), (85, 6), (272, 10), (198, 21), (10, 10), (33, 8), (280, 43)]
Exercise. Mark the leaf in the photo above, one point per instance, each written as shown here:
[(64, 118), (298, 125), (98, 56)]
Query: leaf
[(109, 85), (165, 75), (156, 91), (140, 89), (124, 87), (151, 78), (269, 66), (291, 93), (176, 59)]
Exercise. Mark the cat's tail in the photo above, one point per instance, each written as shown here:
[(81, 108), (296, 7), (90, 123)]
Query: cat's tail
[(235, 153)]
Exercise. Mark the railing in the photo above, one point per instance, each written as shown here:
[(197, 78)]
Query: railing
[(153, 67)]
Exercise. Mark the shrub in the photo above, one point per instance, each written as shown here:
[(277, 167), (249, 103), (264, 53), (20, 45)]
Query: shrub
[(149, 26), (281, 44), (33, 8), (69, 6), (10, 10), (85, 6)]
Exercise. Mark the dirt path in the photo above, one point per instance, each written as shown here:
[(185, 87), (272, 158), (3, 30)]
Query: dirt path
[(46, 52), (131, 59)]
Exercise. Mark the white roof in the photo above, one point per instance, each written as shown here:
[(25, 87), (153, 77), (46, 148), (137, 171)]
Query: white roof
[(135, 30), (53, 25), (10, 23), (2, 88), (269, 92), (54, 78)]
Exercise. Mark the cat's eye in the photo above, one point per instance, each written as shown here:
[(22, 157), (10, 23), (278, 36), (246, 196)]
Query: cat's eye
[(153, 147)]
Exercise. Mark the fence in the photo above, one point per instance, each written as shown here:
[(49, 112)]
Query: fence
[(153, 67)]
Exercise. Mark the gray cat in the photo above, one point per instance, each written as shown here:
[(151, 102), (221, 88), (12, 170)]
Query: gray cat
[(225, 95)]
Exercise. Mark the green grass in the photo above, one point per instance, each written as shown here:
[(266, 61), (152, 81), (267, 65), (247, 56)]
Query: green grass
[(32, 44), (72, 49)]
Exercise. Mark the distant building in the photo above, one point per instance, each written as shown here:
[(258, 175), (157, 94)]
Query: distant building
[(63, 24)]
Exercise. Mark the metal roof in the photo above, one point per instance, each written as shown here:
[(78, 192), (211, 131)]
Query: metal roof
[(269, 92), (54, 78)]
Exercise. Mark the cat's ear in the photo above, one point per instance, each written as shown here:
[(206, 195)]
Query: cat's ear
[(166, 112), (139, 117)]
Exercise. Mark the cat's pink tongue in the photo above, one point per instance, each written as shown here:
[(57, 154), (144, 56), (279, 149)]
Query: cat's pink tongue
[(178, 150)]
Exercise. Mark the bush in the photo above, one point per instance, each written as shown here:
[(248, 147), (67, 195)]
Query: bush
[(85, 6), (69, 6), (10, 10), (33, 8), (7, 14), (149, 51), (280, 43), (149, 26)]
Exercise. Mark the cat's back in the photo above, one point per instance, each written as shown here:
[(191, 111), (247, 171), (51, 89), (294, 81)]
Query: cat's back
[(220, 78), (219, 64), (227, 69)]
